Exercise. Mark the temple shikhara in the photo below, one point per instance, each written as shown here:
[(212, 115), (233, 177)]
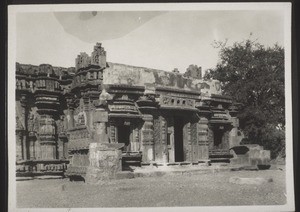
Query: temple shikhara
[(106, 116)]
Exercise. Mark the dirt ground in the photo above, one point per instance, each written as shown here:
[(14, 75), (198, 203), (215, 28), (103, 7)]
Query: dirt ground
[(205, 189)]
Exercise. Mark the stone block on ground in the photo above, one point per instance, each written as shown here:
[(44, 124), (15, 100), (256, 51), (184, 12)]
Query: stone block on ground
[(250, 155), (250, 181), (105, 162)]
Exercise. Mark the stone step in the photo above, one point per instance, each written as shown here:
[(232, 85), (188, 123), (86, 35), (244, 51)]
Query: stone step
[(47, 177), (218, 160), (24, 178), (44, 177)]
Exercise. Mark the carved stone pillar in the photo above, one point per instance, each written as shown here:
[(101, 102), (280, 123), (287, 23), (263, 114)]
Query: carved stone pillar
[(71, 118), (135, 139), (147, 138), (87, 111), (171, 140), (164, 131), (187, 143), (24, 113), (19, 147), (100, 122), (24, 147), (150, 132), (157, 138), (70, 115), (211, 138), (113, 131), (194, 142), (203, 149), (61, 127), (37, 150), (32, 142), (62, 147), (65, 121), (47, 137)]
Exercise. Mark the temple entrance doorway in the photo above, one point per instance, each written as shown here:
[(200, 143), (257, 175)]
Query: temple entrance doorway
[(124, 136), (220, 141), (218, 138), (178, 139), (219, 148)]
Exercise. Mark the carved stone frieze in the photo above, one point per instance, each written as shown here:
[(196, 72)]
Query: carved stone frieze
[(176, 101)]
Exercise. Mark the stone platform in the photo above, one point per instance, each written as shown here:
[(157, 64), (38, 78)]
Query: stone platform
[(162, 170)]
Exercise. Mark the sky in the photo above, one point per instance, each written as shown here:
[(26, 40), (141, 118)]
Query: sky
[(155, 39)]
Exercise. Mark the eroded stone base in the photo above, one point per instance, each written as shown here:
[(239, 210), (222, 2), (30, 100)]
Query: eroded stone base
[(105, 162)]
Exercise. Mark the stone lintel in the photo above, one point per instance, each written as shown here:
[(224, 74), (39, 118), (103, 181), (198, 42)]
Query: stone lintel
[(106, 146)]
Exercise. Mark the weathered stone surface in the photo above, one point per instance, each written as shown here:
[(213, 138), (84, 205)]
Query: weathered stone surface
[(250, 155), (105, 162), (139, 76)]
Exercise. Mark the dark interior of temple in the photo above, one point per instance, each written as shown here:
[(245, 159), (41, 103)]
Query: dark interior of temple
[(218, 135), (178, 138), (124, 136)]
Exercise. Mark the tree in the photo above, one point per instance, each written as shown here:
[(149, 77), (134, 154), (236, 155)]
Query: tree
[(254, 76)]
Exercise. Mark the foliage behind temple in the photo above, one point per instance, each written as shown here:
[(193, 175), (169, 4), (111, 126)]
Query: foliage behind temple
[(254, 76)]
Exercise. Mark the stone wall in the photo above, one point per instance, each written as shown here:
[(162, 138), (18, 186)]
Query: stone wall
[(139, 76)]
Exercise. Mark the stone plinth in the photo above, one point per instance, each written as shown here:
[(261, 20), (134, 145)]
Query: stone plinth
[(105, 162)]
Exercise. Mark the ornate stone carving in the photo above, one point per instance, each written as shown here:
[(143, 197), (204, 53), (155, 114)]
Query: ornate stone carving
[(32, 124), (61, 124), (203, 131), (19, 142), (100, 75), (19, 125), (83, 60), (176, 101), (166, 100), (103, 98), (46, 69), (81, 119), (80, 114), (47, 126), (156, 128), (98, 56), (164, 139), (79, 139)]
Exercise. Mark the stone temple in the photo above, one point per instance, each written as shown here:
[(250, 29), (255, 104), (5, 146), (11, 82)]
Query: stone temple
[(67, 119)]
